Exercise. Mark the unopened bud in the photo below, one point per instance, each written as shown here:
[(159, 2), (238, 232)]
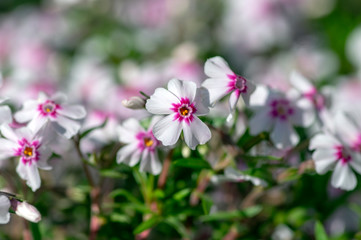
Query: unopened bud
[(26, 210), (134, 103)]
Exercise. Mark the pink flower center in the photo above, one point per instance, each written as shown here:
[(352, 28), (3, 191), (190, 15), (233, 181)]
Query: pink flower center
[(184, 110), (237, 83), (146, 140), (342, 155), (28, 151), (281, 108), (48, 108)]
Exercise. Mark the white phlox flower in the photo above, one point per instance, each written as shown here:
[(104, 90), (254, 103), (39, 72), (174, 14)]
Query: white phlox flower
[(140, 144), (277, 113), (222, 81), (233, 175), (4, 209), (182, 103), (339, 151), (30, 149), (53, 112)]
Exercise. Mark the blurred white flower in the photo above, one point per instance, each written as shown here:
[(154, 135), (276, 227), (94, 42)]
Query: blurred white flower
[(140, 144), (233, 175), (52, 111), (4, 209), (32, 153), (27, 211), (182, 103)]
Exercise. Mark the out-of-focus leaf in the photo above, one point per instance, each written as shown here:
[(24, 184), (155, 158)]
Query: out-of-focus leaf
[(196, 163), (320, 233), (178, 226), (151, 222), (89, 130), (126, 194), (110, 173), (288, 175), (256, 158), (122, 218), (233, 215), (182, 194), (35, 231)]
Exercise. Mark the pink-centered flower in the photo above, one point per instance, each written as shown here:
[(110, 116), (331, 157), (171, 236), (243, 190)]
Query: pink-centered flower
[(182, 103), (222, 81), (31, 151), (52, 111), (276, 113), (140, 144), (337, 151)]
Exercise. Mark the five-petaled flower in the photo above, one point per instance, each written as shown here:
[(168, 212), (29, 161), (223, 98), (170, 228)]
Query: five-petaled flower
[(276, 113), (140, 144), (183, 102), (222, 81), (31, 151), (52, 111)]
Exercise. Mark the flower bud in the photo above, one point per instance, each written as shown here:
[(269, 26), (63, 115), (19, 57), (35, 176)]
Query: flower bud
[(134, 103), (26, 210)]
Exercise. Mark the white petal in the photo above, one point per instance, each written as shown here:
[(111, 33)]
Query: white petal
[(196, 133), (323, 141), (27, 113), (125, 152), (30, 173), (343, 177), (324, 160), (356, 162), (201, 101), (300, 82), (134, 158), (233, 99), (37, 123), (66, 127), (150, 163), (7, 147), (24, 132), (161, 102), (167, 130), (283, 135), (45, 154), (346, 129), (183, 89), (260, 96), (305, 113), (217, 67), (128, 130), (261, 121), (9, 133), (5, 115), (59, 97), (75, 111), (217, 88), (4, 209)]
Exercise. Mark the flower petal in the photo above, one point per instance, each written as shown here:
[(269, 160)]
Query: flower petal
[(300, 82), (233, 99), (167, 130), (324, 160), (217, 67), (125, 152), (37, 123), (150, 163), (196, 133), (9, 133), (346, 128), (5, 115), (201, 101), (343, 177), (7, 147), (217, 88), (251, 87), (66, 127), (72, 111), (161, 102), (260, 122), (4, 209), (59, 97), (283, 135), (27, 113), (182, 89), (323, 141), (128, 130), (30, 173)]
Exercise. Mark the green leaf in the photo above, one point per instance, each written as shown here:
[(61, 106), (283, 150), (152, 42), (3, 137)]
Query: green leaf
[(232, 215), (178, 226), (122, 218), (35, 231), (182, 194), (288, 175), (320, 233), (151, 222), (126, 194), (89, 130), (195, 163), (110, 173)]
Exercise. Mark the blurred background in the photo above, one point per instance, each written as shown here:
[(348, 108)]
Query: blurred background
[(100, 52)]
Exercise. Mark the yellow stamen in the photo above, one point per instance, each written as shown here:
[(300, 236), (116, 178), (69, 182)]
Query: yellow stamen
[(184, 111), (28, 151), (148, 142)]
